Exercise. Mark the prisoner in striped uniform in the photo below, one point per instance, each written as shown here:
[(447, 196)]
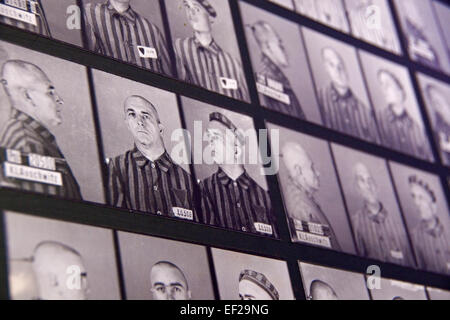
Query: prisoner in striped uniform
[(430, 238), (201, 61), (399, 130), (366, 26), (145, 178), (271, 76), (230, 197), (37, 25), (114, 29), (35, 106), (377, 234), (341, 110)]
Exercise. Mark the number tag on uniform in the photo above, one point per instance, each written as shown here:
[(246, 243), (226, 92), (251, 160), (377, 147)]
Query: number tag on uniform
[(263, 228), (38, 161), (228, 83), (315, 228), (17, 171), (182, 213), (21, 4), (18, 14), (278, 86), (313, 239), (396, 254), (13, 156), (274, 94), (147, 52)]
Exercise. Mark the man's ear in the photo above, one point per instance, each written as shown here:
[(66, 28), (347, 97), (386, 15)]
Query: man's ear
[(26, 95), (161, 128)]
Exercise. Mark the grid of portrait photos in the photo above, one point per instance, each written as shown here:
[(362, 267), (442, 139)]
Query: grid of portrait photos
[(322, 125)]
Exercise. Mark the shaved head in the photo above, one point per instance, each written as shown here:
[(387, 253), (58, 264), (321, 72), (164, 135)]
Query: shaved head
[(169, 282), (57, 267), (140, 101), (336, 69), (320, 290), (365, 183), (20, 74)]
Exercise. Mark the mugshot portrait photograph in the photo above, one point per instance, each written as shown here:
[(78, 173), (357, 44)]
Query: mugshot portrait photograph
[(128, 30), (374, 213), (438, 294), (422, 35), (280, 65), (328, 12), (398, 290), (59, 260), (436, 95), (343, 100), (137, 123), (159, 269), (55, 19), (398, 115), (311, 194), (426, 213), (227, 165), (371, 21), (442, 12), (206, 47), (251, 277), (50, 130), (322, 283)]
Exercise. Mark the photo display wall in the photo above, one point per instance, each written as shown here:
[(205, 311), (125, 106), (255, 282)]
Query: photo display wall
[(309, 141)]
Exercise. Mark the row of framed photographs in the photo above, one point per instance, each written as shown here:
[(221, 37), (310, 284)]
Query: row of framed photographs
[(298, 71), (424, 25), (150, 151), (67, 261)]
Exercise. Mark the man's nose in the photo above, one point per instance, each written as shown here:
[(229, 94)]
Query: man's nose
[(59, 100)]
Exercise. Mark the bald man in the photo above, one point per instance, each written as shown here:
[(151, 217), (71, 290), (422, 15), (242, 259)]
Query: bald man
[(169, 282), (341, 110), (145, 178), (230, 197), (256, 286), (33, 160), (60, 272), (307, 221), (439, 105), (378, 234), (320, 290), (275, 90), (329, 12)]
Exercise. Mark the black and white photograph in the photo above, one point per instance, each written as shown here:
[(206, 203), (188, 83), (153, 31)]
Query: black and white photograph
[(394, 100), (145, 173), (56, 19), (47, 137), (56, 260), (250, 277), (322, 283), (343, 100), (227, 164), (438, 294), (371, 21), (398, 290), (159, 269), (442, 12), (282, 74), (310, 190), (436, 95), (422, 35), (374, 213), (128, 30), (206, 48), (328, 12), (284, 3), (426, 213)]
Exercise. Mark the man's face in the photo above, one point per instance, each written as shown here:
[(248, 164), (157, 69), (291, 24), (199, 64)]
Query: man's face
[(142, 122), (335, 68), (198, 17), (276, 50), (61, 276), (248, 290), (393, 94), (221, 143), (440, 104), (47, 103), (307, 175), (168, 284), (366, 184), (423, 202)]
